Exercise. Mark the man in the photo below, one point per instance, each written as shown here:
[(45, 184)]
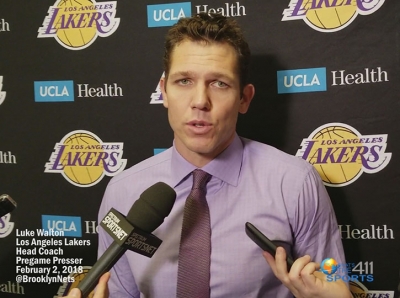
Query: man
[(205, 87)]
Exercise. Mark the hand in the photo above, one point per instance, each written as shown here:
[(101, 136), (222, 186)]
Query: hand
[(101, 290), (303, 279)]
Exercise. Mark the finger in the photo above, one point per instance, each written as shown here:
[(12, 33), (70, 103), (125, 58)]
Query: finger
[(295, 272), (270, 260), (101, 290), (280, 259), (74, 293), (310, 276)]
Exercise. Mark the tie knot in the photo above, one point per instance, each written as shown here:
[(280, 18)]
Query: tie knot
[(200, 179)]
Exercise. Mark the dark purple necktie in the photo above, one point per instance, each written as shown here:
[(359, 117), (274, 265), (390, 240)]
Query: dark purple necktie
[(195, 247)]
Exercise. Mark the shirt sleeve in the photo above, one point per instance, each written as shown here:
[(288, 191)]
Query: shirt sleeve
[(315, 227), (122, 283)]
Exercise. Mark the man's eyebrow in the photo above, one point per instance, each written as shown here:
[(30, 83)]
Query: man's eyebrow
[(181, 74), (217, 75)]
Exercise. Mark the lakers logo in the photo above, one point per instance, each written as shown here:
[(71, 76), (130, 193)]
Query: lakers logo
[(6, 226), (83, 158), (156, 97), (76, 24), (75, 278), (341, 154), (359, 290), (2, 93), (329, 15)]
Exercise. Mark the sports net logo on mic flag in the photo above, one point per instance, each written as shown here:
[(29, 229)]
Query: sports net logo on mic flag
[(76, 24), (83, 159), (329, 15), (341, 154)]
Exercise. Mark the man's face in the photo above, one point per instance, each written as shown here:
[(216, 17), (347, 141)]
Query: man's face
[(203, 97)]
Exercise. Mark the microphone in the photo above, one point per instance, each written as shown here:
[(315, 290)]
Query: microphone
[(147, 214), (6, 205)]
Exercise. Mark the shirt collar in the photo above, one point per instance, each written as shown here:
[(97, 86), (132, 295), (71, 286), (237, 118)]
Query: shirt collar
[(226, 166)]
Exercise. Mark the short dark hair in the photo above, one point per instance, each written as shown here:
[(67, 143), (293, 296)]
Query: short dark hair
[(209, 28)]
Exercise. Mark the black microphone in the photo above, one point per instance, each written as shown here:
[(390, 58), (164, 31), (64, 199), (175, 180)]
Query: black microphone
[(147, 214), (6, 205)]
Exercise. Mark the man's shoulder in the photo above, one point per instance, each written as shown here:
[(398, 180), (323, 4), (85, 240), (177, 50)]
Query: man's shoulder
[(263, 155), (146, 168)]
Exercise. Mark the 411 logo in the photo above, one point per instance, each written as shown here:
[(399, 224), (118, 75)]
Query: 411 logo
[(361, 271)]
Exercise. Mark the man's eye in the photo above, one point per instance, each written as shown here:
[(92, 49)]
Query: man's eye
[(184, 81), (220, 84)]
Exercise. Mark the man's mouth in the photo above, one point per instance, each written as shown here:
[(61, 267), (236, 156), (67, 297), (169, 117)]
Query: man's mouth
[(199, 123)]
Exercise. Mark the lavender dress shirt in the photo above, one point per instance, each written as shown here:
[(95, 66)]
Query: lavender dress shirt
[(280, 194)]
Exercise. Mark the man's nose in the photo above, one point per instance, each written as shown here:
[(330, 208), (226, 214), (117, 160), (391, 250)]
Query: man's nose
[(201, 99)]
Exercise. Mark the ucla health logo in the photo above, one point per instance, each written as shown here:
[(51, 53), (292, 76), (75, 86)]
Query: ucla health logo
[(163, 15), (329, 15), (76, 24), (69, 225), (4, 26), (341, 154), (84, 159), (2, 93), (54, 91), (301, 80)]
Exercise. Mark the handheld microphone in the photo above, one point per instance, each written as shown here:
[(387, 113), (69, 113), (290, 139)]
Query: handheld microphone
[(6, 205), (147, 214)]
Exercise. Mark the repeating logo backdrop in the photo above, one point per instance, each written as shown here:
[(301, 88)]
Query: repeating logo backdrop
[(79, 103)]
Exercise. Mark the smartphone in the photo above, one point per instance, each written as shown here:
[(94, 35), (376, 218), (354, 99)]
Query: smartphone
[(263, 242)]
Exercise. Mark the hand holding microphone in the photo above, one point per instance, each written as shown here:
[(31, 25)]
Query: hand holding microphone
[(146, 214)]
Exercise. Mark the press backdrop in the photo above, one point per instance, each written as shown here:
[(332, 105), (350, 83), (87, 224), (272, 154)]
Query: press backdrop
[(80, 102)]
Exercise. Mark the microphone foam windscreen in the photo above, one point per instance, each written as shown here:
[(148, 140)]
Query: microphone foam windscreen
[(154, 204)]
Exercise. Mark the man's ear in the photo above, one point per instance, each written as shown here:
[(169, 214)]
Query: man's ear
[(163, 84), (247, 96)]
